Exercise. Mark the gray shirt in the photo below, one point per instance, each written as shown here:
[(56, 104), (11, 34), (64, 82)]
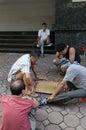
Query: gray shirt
[(77, 75)]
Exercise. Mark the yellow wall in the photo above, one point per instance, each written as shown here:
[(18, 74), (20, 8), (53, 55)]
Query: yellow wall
[(26, 15)]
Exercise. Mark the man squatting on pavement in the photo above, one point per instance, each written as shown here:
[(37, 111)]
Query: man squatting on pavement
[(65, 53), (21, 69)]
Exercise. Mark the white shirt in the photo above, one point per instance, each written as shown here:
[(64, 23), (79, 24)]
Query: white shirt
[(22, 64), (43, 34)]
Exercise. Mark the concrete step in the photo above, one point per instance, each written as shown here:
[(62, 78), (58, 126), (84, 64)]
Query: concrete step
[(22, 41), (23, 50)]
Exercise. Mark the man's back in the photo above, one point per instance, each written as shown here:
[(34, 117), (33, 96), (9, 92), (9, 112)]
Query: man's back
[(77, 75), (15, 113), (77, 56), (22, 64)]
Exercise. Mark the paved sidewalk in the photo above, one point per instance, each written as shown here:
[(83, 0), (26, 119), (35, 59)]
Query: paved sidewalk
[(71, 116)]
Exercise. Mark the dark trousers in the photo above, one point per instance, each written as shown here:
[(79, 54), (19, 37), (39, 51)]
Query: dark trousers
[(73, 92)]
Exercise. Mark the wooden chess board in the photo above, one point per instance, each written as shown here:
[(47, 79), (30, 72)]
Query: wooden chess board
[(46, 87)]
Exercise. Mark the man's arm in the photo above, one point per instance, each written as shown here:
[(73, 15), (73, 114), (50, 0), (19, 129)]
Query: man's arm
[(33, 67), (48, 39), (28, 81), (41, 103), (38, 40), (57, 56), (72, 55), (36, 103), (48, 36), (39, 37), (61, 85)]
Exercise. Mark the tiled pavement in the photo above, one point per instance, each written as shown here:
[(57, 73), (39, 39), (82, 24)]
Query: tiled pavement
[(71, 116)]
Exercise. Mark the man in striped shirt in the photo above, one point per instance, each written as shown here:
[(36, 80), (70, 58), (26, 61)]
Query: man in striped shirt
[(21, 69)]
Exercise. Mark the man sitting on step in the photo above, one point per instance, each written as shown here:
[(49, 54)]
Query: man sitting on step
[(43, 38)]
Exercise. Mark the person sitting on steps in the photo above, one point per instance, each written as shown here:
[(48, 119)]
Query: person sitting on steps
[(43, 37)]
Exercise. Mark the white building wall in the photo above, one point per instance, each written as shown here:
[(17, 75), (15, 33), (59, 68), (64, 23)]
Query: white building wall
[(26, 15)]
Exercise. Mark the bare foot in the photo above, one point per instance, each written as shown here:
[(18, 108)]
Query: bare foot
[(32, 94)]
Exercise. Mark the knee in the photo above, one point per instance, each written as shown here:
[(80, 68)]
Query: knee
[(19, 75), (63, 69), (42, 41), (55, 62)]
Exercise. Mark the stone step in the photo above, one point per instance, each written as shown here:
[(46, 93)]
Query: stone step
[(22, 41), (24, 50)]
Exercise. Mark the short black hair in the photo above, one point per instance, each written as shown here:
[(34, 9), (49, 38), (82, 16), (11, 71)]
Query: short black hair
[(44, 24), (17, 86), (35, 54), (60, 47)]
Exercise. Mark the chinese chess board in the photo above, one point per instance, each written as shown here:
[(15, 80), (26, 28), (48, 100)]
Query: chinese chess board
[(46, 87)]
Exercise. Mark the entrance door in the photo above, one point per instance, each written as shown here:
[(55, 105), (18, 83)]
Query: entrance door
[(26, 15)]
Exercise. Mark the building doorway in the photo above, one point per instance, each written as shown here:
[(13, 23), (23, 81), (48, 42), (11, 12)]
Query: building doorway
[(26, 15)]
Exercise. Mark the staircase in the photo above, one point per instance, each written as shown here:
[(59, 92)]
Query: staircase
[(22, 41)]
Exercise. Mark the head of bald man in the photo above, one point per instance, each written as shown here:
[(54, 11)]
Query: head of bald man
[(17, 87)]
